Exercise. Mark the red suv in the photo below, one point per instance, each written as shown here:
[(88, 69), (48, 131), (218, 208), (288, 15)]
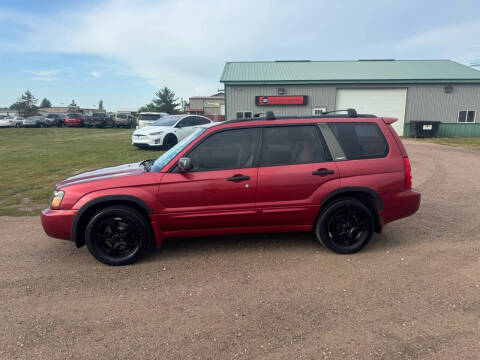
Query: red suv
[(342, 177), (75, 120)]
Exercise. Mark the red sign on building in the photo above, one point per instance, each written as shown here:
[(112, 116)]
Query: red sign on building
[(281, 100)]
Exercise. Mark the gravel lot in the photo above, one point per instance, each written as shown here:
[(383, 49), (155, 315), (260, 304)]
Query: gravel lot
[(413, 293)]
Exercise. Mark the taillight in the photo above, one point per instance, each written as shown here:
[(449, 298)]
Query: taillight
[(408, 173)]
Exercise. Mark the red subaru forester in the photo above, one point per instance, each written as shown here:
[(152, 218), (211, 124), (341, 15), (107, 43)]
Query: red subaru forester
[(342, 177)]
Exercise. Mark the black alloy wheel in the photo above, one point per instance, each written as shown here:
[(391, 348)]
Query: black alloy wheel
[(169, 141), (118, 235), (345, 226)]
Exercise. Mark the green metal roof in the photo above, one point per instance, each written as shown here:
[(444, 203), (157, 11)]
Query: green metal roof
[(361, 71)]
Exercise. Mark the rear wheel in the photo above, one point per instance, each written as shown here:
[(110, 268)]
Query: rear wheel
[(345, 226), (169, 141), (118, 235), (17, 125)]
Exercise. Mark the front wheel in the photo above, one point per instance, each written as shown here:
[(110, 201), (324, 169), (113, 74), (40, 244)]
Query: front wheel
[(345, 226), (118, 235), (169, 141)]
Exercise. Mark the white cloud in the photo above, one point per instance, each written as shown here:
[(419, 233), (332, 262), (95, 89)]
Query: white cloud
[(181, 44), (458, 42), (96, 74), (43, 75)]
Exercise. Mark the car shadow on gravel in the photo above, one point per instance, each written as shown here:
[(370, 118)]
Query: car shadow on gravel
[(215, 245)]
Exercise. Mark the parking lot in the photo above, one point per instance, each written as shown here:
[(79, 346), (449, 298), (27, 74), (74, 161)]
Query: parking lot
[(413, 293)]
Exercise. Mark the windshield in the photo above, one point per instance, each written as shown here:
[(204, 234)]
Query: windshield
[(122, 116), (52, 116), (73, 115), (149, 116), (166, 121), (95, 115), (166, 157)]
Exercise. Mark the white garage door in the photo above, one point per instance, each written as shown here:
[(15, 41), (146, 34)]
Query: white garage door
[(380, 102)]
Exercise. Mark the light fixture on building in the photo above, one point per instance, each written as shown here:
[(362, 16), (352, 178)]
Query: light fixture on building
[(447, 89), (281, 91)]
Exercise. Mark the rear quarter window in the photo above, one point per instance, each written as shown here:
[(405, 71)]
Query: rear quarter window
[(360, 140)]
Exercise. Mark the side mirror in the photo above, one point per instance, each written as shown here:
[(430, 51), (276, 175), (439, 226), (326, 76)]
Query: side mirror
[(185, 164)]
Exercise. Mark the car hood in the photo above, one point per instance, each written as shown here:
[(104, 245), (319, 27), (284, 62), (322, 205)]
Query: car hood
[(103, 174), (147, 130)]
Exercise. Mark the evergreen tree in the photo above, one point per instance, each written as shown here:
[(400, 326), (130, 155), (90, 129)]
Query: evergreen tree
[(45, 103), (25, 104)]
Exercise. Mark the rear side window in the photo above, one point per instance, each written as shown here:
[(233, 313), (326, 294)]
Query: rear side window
[(285, 145), (230, 149), (360, 140)]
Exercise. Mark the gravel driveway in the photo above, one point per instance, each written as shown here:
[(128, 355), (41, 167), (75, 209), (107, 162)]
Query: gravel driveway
[(413, 293)]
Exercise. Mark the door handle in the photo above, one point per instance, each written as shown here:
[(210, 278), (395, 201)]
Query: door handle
[(323, 172), (238, 178)]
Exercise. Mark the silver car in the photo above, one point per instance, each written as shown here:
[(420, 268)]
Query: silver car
[(11, 121), (35, 121)]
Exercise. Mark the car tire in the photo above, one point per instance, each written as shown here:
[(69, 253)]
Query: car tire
[(169, 141), (17, 125), (118, 235), (344, 226)]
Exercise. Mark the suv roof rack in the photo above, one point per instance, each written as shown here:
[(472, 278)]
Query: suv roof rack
[(269, 115)]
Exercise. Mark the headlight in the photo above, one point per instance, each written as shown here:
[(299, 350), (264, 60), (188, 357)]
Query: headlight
[(57, 198), (157, 133)]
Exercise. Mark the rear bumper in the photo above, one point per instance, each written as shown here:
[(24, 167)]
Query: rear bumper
[(58, 223), (401, 205)]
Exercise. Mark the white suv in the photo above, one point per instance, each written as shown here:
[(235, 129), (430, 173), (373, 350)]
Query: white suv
[(167, 131), (147, 118)]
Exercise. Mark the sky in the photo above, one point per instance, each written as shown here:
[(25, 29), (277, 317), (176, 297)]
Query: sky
[(123, 51)]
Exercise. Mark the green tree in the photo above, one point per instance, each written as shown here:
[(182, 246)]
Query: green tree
[(45, 103), (25, 104), (165, 101), (147, 108), (100, 105)]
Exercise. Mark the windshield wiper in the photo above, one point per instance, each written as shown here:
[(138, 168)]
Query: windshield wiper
[(147, 164)]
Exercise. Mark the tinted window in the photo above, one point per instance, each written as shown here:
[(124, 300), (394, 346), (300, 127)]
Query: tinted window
[(98, 115), (200, 121), (360, 140), (73, 115), (122, 116), (291, 145), (52, 116), (166, 121), (188, 121), (230, 149)]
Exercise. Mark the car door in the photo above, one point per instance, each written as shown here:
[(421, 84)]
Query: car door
[(220, 189), (295, 173), (184, 127)]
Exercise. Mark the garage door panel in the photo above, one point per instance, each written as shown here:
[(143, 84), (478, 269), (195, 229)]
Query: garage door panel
[(380, 102)]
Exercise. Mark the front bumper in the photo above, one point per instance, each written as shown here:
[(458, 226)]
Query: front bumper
[(58, 223), (147, 141)]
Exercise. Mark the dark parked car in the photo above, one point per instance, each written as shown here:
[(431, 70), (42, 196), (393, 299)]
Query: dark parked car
[(99, 120), (56, 120), (340, 177)]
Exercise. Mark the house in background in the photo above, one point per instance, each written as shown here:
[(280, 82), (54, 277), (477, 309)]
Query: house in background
[(410, 90), (212, 107)]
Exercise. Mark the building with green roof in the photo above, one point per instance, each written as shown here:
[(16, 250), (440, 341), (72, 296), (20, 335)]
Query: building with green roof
[(410, 90)]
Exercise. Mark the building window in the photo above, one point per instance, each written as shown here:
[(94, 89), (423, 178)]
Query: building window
[(467, 116), (244, 114)]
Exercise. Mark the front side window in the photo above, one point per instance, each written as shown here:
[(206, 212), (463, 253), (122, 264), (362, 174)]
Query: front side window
[(167, 156), (285, 145), (360, 140), (466, 116), (230, 149)]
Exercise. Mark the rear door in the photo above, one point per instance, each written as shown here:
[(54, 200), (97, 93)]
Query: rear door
[(296, 171), (220, 190)]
